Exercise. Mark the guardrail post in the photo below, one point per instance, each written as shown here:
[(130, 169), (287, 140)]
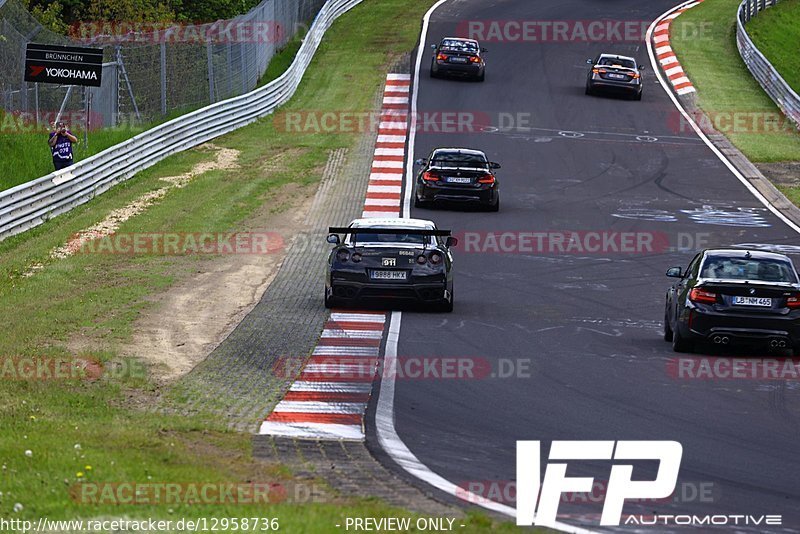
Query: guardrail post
[(163, 78), (210, 57)]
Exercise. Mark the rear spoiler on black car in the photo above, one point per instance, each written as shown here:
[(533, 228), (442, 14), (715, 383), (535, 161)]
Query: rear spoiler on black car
[(378, 231)]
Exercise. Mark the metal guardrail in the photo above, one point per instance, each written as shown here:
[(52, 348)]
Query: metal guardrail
[(763, 71), (28, 205)]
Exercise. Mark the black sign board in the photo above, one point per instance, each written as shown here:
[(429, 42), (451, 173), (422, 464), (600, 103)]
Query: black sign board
[(65, 65)]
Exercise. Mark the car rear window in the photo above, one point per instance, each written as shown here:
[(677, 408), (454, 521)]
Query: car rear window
[(391, 238), (761, 269), (452, 44), (610, 61), (457, 159)]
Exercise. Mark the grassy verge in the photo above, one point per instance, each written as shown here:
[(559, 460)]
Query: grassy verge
[(776, 32), (60, 432), (725, 88)]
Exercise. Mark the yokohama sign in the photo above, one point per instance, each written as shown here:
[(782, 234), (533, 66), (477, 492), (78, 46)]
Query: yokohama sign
[(65, 65)]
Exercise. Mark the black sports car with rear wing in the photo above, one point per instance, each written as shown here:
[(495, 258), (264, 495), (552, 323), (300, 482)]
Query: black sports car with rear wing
[(390, 260), (734, 296)]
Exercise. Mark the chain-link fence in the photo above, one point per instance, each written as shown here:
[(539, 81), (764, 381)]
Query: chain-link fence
[(149, 70)]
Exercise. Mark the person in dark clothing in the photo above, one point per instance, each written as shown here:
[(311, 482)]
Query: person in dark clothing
[(61, 140)]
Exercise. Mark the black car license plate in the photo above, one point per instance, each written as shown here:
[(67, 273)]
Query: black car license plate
[(388, 275), (617, 76), (458, 60)]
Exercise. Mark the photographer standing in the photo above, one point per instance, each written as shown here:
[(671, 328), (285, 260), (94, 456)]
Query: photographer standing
[(60, 142)]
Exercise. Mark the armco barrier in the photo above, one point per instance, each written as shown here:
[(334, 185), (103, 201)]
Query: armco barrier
[(29, 205), (763, 71)]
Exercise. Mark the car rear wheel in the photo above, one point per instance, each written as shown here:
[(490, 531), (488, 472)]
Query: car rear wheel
[(481, 76), (679, 343), (330, 302), (421, 204), (495, 207), (589, 90), (446, 305), (667, 328), (638, 96)]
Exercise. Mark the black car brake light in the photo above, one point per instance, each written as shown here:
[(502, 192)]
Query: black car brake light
[(475, 59), (435, 258), (356, 257), (486, 179), (793, 302), (430, 177), (701, 295), (342, 255), (421, 259), (441, 57)]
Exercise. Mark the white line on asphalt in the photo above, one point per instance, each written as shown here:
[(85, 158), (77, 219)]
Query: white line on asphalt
[(384, 416), (756, 193)]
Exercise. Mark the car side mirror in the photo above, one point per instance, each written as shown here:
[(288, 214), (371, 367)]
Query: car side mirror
[(419, 162), (642, 67), (484, 50), (493, 165), (675, 272), (590, 61), (433, 47), (451, 242), (333, 239)]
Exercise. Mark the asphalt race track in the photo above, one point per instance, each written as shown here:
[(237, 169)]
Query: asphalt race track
[(590, 323)]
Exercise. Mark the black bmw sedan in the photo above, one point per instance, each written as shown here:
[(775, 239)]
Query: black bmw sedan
[(734, 296), (457, 175)]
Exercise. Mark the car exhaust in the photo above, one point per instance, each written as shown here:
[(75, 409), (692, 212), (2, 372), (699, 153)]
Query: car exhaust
[(717, 340), (725, 340)]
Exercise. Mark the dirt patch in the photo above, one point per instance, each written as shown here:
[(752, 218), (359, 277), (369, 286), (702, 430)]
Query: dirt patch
[(225, 158), (782, 174), (192, 317)]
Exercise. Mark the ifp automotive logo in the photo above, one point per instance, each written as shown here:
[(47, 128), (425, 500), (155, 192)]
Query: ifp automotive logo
[(533, 509), (537, 500)]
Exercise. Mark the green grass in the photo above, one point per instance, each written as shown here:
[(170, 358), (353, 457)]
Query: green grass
[(99, 296), (26, 154), (724, 85), (776, 32)]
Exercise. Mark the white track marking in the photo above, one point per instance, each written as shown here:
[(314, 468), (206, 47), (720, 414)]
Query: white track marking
[(315, 430), (665, 85), (332, 387), (384, 417), (358, 317), (321, 407)]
